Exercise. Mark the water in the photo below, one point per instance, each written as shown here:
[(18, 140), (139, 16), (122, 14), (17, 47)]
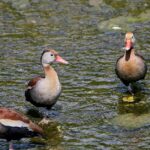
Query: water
[(90, 113)]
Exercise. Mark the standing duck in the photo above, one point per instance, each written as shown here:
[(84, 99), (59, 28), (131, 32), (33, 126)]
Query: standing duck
[(130, 67), (43, 92), (14, 126)]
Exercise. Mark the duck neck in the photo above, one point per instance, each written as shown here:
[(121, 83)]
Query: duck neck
[(50, 73), (129, 54), (52, 80)]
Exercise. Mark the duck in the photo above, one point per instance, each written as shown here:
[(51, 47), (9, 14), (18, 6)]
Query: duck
[(14, 126), (131, 66), (44, 91)]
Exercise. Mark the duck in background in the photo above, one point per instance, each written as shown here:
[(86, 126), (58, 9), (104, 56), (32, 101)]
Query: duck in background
[(14, 126), (44, 92), (130, 67)]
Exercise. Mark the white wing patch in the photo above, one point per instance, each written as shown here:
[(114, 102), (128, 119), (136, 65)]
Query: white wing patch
[(14, 123)]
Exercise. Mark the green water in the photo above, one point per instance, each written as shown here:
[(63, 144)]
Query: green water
[(89, 34)]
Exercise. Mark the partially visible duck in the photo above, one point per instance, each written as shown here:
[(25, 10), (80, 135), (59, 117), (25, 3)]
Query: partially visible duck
[(14, 126), (130, 67), (44, 92)]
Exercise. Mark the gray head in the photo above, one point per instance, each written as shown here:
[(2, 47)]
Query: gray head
[(49, 56)]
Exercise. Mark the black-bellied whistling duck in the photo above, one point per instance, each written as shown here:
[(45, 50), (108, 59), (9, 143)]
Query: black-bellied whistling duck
[(130, 67), (14, 126), (43, 92)]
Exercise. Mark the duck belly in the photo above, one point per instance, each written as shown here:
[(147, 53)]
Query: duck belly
[(45, 92), (132, 70)]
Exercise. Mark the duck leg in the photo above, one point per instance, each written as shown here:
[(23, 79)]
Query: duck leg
[(11, 146), (45, 114), (130, 89)]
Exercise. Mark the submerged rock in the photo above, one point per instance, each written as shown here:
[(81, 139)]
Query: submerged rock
[(131, 120), (123, 22)]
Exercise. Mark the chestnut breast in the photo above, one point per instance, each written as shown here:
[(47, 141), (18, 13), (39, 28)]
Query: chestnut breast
[(132, 68), (47, 89)]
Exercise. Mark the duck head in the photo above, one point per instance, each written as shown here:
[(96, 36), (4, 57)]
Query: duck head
[(50, 56), (129, 41)]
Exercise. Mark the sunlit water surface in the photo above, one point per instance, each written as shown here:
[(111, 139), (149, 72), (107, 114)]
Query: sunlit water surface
[(90, 113)]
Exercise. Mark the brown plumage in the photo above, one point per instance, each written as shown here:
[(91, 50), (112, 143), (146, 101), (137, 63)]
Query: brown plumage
[(130, 67), (14, 126), (43, 92), (33, 82)]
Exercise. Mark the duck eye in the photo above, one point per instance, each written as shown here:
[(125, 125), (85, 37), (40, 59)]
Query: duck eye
[(52, 54)]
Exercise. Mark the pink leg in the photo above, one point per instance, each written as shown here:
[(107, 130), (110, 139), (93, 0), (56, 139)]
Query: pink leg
[(10, 146), (130, 89)]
